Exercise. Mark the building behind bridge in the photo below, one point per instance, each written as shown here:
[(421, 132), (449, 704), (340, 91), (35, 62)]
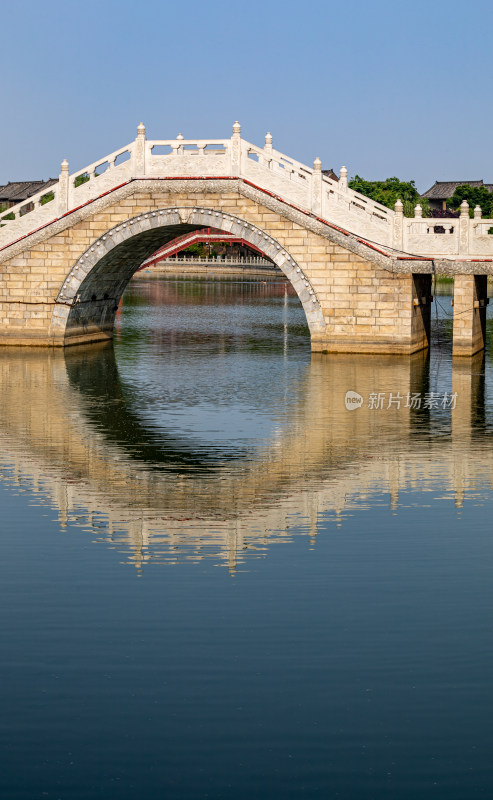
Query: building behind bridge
[(441, 191), (329, 173), (15, 192)]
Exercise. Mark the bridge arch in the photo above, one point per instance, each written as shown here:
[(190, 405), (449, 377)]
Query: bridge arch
[(88, 299)]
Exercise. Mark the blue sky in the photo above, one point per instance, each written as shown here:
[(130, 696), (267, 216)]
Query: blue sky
[(387, 88)]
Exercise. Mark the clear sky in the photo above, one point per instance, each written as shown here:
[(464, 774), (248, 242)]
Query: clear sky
[(386, 88)]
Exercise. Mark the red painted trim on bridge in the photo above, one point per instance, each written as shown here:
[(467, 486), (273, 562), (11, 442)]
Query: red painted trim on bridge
[(372, 247), (416, 258), (228, 178)]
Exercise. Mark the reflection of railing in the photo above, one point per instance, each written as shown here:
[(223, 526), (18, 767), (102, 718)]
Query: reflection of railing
[(268, 169)]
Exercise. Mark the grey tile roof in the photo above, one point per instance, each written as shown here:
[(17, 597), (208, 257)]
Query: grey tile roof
[(17, 191), (442, 190), (330, 174)]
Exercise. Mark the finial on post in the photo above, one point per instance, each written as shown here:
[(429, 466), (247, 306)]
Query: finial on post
[(464, 208), (141, 131), (64, 165), (317, 165), (478, 212), (179, 149), (237, 128), (418, 212), (268, 141), (399, 208)]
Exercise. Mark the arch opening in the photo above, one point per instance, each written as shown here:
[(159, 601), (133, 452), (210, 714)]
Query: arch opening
[(89, 297)]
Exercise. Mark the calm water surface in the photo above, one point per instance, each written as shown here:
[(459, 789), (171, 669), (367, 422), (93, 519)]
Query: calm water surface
[(218, 582)]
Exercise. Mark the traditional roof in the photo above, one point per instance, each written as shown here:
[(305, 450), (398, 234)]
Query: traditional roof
[(330, 174), (17, 191), (443, 190)]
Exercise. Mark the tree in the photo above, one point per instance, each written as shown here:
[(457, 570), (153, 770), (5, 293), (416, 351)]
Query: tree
[(389, 191), (197, 250), (80, 179), (47, 198), (475, 196)]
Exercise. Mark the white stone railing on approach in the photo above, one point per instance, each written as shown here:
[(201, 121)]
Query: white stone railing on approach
[(305, 187), (462, 236)]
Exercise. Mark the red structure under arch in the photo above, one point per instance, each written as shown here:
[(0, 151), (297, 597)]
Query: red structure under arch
[(204, 235)]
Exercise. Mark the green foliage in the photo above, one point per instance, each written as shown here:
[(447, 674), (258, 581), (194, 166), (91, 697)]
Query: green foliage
[(47, 198), (475, 196), (197, 250), (490, 231), (80, 179), (9, 216), (389, 191)]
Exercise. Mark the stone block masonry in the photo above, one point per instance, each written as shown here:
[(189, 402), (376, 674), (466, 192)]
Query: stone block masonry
[(62, 285), (470, 301)]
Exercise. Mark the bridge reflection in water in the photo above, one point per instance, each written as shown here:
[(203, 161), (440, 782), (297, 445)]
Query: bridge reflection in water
[(71, 431)]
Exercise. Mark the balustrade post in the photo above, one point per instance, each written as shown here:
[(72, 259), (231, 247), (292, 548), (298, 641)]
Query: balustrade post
[(63, 188), (317, 187), (236, 150), (420, 225), (140, 151), (464, 226), (398, 226), (265, 158), (342, 183)]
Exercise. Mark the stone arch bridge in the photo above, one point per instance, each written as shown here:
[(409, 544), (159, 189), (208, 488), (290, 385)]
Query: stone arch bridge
[(362, 272)]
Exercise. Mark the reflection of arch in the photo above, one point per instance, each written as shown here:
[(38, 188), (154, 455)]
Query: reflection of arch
[(89, 297), (112, 408), (57, 437)]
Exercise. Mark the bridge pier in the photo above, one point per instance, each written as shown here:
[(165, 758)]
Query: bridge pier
[(369, 310), (470, 301)]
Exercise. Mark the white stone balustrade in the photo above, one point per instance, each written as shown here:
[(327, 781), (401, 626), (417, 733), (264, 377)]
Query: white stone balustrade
[(267, 168), (449, 237)]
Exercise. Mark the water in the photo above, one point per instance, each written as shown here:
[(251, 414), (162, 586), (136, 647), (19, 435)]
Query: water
[(218, 582)]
